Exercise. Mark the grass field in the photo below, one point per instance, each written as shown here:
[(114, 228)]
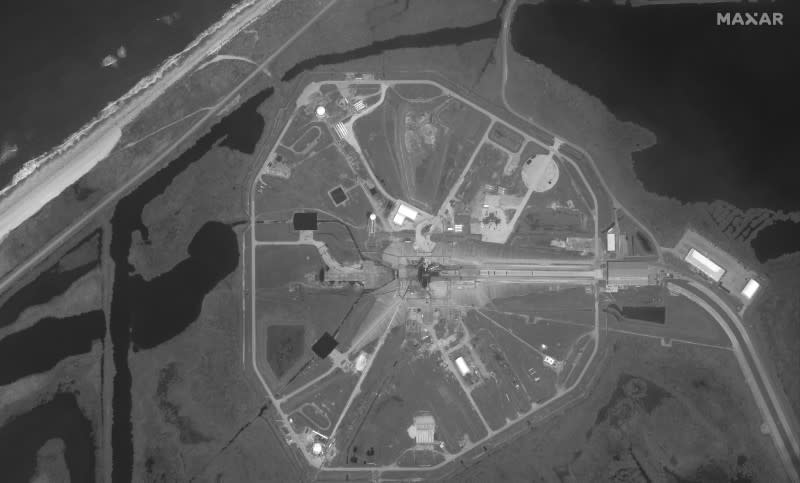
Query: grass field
[(605, 212), (504, 394), (285, 344), (310, 138), (311, 368), (487, 168), (280, 265), (563, 211), (418, 149), (339, 242), (506, 137), (467, 127), (512, 362), (417, 91), (558, 335), (403, 381), (308, 187), (303, 128), (418, 384), (352, 322), (641, 243), (210, 389), (322, 403), (276, 231), (422, 150), (655, 414), (490, 398), (316, 311), (563, 303), (684, 320), (707, 425), (376, 134)]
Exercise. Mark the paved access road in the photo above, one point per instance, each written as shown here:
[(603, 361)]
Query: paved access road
[(762, 386), (502, 270), (150, 167)]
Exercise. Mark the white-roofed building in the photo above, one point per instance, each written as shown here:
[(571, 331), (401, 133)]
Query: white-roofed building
[(404, 212), (425, 427), (611, 240), (704, 264), (341, 130), (462, 366), (361, 362), (408, 212), (750, 288)]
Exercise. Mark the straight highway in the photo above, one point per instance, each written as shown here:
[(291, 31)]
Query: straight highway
[(150, 167)]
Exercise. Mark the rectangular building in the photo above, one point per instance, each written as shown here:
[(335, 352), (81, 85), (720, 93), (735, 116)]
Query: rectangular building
[(463, 368), (750, 288), (704, 264), (611, 240), (424, 429), (404, 212), (623, 273)]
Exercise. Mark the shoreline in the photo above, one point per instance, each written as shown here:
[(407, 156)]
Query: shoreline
[(116, 115)]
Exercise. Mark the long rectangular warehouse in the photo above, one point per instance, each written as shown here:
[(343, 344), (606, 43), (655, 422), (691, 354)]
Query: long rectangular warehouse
[(627, 273), (704, 264)]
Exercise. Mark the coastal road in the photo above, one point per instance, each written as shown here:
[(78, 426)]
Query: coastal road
[(148, 170)]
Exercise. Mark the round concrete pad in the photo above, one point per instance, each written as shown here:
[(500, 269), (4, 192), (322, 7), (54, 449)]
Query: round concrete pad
[(540, 173)]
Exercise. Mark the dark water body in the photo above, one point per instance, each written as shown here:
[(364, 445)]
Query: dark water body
[(170, 302), (440, 37), (53, 82), (780, 238), (47, 285), (61, 417), (723, 101), (657, 315), (42, 346), (240, 130)]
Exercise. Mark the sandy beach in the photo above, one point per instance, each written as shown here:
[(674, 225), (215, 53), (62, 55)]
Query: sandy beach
[(55, 171)]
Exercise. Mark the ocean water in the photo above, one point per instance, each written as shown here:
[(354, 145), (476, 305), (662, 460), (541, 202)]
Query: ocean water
[(53, 81)]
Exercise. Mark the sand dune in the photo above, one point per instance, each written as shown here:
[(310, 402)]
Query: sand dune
[(45, 184), (56, 171)]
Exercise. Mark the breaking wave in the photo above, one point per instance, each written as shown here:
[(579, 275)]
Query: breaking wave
[(32, 165)]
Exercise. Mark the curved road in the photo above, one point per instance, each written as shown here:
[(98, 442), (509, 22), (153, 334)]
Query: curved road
[(780, 429)]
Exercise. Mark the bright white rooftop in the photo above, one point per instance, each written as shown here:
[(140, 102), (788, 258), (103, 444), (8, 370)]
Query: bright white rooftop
[(705, 265)]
